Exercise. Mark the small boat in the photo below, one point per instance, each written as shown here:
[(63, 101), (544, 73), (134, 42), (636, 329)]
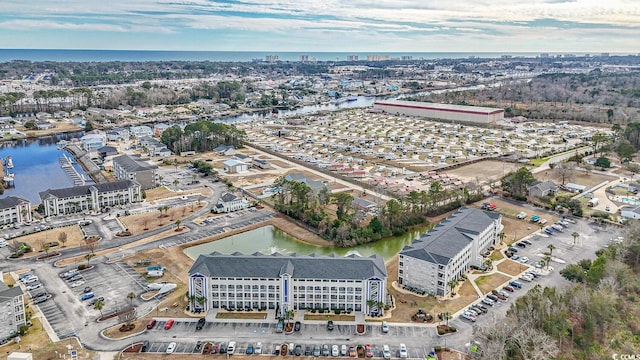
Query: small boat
[(62, 144), (8, 162), (352, 98)]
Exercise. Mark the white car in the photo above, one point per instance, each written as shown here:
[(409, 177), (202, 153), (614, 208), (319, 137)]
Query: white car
[(403, 351), (34, 286), (3, 243), (467, 315), (542, 221), (171, 348), (335, 351), (524, 259), (231, 348), (77, 284), (386, 353), (258, 348), (30, 280), (522, 215)]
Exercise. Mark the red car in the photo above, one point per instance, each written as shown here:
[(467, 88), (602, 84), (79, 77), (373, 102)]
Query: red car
[(214, 348), (169, 324), (367, 350)]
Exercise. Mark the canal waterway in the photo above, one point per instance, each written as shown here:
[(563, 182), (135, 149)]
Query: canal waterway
[(269, 240), (36, 166)]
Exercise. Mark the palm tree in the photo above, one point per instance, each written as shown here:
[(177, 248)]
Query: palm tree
[(452, 284), (501, 236), (131, 296), (201, 300), (547, 260), (371, 304), (575, 237), (89, 256), (178, 224), (192, 299), (46, 247), (98, 306), (551, 247)]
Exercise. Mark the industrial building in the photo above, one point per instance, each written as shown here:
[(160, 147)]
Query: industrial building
[(462, 113), (292, 282)]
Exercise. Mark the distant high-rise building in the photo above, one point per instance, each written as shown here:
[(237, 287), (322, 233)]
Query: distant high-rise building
[(272, 58), (352, 58), (604, 54), (378, 57), (406, 57), (304, 58), (544, 55)]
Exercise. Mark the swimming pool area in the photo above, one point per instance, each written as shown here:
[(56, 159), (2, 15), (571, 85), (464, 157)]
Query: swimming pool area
[(627, 200)]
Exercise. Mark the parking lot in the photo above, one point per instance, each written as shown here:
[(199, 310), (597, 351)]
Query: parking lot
[(417, 338)]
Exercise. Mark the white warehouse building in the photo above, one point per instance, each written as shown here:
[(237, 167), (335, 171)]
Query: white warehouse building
[(286, 283), (463, 113), (446, 251)]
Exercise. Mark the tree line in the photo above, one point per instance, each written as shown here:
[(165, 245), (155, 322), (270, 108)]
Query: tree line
[(202, 136)]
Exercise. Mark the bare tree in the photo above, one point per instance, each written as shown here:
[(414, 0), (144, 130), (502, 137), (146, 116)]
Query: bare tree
[(565, 170), (62, 238), (128, 315), (91, 244)]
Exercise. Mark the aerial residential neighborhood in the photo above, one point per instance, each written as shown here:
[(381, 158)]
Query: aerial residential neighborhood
[(316, 220)]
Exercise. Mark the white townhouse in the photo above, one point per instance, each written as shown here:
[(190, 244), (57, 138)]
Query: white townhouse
[(289, 282), (15, 210), (12, 316), (140, 131), (229, 202), (90, 197), (446, 251)]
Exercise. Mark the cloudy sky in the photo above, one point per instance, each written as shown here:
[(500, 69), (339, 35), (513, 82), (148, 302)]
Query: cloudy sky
[(324, 25)]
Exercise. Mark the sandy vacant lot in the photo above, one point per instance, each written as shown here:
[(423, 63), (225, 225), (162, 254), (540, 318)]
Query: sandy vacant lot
[(163, 193), (140, 223), (75, 238), (490, 282), (511, 267), (579, 177), (483, 170)]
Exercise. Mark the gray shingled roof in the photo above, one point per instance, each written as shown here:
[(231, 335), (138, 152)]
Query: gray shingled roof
[(132, 164), (11, 202), (300, 267), (227, 197), (445, 240), (9, 292), (84, 190)]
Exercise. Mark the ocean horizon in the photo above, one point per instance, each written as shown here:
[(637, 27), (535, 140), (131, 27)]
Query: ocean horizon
[(70, 55)]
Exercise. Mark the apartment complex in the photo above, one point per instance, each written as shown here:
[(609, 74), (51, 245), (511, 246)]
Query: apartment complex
[(15, 210), (13, 315), (289, 282), (127, 167), (90, 197), (447, 251)]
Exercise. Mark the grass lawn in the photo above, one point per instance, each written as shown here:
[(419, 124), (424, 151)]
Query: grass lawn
[(334, 317), (496, 255), (491, 282), (466, 289), (240, 315), (8, 279), (538, 162), (41, 347), (512, 267)]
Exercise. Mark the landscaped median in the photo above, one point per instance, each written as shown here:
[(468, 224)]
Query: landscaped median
[(487, 283)]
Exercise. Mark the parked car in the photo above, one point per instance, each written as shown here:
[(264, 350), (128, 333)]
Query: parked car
[(343, 350), (198, 347), (542, 221), (385, 327), (526, 278), (76, 284), (169, 324), (231, 348), (504, 293), (296, 326), (335, 351), (368, 352), (249, 350), (508, 288), (87, 296), (488, 301), (95, 300), (522, 215), (513, 250), (515, 257), (535, 218), (352, 352), (34, 286), (481, 308), (325, 350), (30, 280), (297, 351), (151, 324), (222, 349), (548, 230), (171, 348), (86, 289), (330, 325), (515, 284), (521, 244), (492, 297), (469, 316), (200, 323), (258, 348), (316, 351), (403, 351), (527, 242), (386, 353), (524, 259)]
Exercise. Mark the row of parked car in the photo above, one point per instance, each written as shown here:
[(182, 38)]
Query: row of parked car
[(496, 296), (32, 283), (76, 280)]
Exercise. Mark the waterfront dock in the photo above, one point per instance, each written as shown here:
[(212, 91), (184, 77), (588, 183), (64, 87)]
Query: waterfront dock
[(67, 165), (83, 159)]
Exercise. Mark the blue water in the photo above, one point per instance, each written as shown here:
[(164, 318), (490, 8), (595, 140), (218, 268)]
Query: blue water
[(158, 55), (36, 166)]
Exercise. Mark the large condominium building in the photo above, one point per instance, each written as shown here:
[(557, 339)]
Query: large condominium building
[(90, 197), (128, 167), (12, 315), (447, 251), (289, 282), (15, 210)]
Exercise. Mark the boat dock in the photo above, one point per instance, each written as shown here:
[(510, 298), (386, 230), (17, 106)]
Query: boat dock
[(67, 165)]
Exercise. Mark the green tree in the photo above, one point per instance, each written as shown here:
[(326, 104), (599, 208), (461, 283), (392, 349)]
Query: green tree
[(603, 162), (551, 247), (575, 236), (131, 296), (88, 257), (99, 305), (517, 182), (625, 150), (598, 140)]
